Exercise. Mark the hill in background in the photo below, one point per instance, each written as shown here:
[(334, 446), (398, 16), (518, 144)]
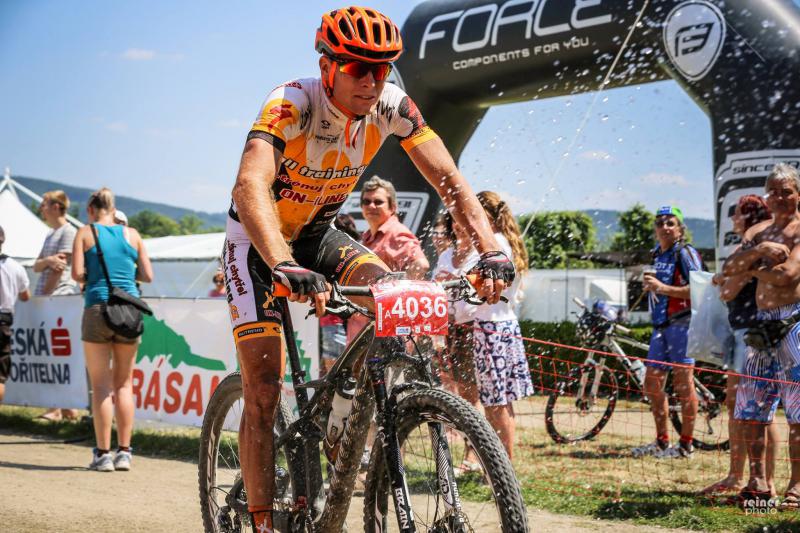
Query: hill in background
[(130, 206)]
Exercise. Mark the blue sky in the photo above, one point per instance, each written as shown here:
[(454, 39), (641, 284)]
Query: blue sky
[(154, 99)]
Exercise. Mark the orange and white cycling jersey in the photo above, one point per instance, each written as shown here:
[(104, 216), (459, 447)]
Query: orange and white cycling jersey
[(324, 151)]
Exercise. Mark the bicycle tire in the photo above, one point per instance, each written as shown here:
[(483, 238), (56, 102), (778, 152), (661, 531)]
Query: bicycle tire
[(227, 393), (438, 406), (561, 435), (705, 412)]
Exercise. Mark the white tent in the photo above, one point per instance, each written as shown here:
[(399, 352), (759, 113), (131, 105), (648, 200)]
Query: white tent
[(183, 265), (25, 232)]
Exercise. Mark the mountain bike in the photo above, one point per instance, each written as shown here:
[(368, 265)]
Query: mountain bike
[(423, 433), (582, 403)]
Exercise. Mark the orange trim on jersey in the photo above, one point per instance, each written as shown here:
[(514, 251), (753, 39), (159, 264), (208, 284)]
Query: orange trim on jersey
[(365, 259), (277, 114), (424, 134), (256, 330)]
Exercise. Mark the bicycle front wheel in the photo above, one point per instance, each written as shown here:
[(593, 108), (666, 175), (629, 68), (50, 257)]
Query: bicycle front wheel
[(582, 404), (490, 496), (223, 499)]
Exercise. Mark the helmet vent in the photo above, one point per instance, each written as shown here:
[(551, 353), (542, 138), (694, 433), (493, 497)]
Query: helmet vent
[(376, 33), (332, 37), (344, 27), (361, 29)]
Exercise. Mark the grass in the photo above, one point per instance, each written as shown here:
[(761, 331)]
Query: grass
[(174, 443), (596, 479)]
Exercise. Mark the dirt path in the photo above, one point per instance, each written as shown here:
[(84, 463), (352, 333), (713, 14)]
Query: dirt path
[(45, 487)]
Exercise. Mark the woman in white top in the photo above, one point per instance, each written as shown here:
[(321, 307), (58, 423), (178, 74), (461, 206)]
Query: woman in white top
[(500, 366)]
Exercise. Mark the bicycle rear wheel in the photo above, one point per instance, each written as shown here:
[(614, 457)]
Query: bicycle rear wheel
[(223, 499), (490, 496), (582, 404)]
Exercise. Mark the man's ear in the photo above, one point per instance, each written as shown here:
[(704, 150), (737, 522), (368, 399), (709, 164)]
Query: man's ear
[(324, 66)]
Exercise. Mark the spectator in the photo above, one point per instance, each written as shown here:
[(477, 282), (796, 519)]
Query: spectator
[(13, 285), (120, 217), (770, 252), (501, 366), (393, 242), (740, 294), (443, 239), (126, 260), (440, 235), (218, 291), (670, 309), (54, 264)]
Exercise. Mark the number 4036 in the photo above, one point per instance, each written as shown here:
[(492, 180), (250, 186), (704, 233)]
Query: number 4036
[(424, 306)]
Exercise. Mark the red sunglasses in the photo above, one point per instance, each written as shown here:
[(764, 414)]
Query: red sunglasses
[(359, 69)]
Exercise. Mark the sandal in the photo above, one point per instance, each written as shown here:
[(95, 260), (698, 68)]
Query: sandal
[(746, 495), (468, 467), (53, 415), (791, 502)]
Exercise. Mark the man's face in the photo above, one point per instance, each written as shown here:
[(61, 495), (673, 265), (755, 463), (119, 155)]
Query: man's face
[(668, 228), (358, 95), (375, 206), (782, 196), (49, 208)]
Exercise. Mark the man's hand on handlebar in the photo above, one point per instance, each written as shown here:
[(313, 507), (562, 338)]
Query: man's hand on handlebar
[(304, 284), (496, 272)]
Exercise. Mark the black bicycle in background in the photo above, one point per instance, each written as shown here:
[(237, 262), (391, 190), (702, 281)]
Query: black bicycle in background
[(584, 400), (424, 432)]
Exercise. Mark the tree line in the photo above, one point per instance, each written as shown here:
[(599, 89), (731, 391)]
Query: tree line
[(553, 235)]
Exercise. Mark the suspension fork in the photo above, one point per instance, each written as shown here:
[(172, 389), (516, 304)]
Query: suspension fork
[(387, 437)]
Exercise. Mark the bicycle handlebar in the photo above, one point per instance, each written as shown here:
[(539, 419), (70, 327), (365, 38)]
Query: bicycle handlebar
[(281, 290)]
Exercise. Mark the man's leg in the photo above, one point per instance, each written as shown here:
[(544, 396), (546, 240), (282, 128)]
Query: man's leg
[(773, 444), (684, 387), (756, 435), (262, 362), (654, 389), (738, 458)]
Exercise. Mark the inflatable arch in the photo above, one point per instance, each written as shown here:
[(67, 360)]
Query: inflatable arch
[(737, 59)]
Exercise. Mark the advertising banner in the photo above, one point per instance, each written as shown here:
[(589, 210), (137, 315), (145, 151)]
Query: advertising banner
[(186, 350), (47, 367)]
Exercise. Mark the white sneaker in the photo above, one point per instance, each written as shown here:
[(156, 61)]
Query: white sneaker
[(647, 449), (674, 452), (102, 463), (122, 461)]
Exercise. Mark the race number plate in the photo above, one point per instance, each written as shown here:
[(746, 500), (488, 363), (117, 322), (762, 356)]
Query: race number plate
[(406, 307)]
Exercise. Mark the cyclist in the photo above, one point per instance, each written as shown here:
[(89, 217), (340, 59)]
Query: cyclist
[(670, 308), (310, 143)]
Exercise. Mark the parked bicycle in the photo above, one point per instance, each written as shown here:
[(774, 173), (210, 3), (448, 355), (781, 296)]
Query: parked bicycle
[(423, 434), (582, 403)]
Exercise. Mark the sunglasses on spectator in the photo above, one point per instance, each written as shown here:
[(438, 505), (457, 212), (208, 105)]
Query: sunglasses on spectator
[(376, 203), (219, 281), (359, 69), (666, 223)]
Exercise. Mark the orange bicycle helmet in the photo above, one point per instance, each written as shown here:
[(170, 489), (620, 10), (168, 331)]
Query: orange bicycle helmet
[(359, 33)]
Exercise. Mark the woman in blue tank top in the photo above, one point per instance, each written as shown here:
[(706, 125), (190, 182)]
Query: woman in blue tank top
[(127, 262)]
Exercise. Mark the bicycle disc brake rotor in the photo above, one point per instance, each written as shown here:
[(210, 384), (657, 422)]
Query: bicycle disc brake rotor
[(452, 522)]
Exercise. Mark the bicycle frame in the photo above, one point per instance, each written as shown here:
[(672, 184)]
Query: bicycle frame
[(304, 435)]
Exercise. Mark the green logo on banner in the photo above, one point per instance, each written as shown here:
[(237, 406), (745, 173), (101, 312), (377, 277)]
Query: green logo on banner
[(305, 362), (160, 339)]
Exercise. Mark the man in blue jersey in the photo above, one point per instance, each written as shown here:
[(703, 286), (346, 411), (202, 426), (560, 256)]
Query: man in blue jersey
[(670, 309)]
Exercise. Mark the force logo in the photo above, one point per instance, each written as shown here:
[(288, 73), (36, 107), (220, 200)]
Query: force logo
[(269, 299), (694, 33), (344, 249)]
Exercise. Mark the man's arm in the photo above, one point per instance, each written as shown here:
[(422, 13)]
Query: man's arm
[(255, 204), (417, 268), (783, 274), (732, 286), (25, 295), (435, 163)]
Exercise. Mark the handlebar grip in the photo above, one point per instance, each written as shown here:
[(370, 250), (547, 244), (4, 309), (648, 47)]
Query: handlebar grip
[(623, 329), (578, 302), (281, 290)]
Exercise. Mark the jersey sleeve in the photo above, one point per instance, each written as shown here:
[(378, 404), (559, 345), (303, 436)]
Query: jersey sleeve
[(407, 124), (283, 116), (690, 259)]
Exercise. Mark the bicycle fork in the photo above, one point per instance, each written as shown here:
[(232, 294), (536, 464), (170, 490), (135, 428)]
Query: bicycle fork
[(390, 444)]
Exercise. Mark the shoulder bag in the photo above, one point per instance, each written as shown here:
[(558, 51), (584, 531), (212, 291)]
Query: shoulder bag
[(123, 311)]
